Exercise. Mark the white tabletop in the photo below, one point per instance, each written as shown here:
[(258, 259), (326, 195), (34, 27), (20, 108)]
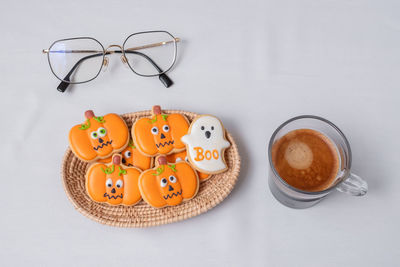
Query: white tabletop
[(253, 64)]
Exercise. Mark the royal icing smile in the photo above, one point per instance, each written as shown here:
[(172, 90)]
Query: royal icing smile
[(102, 144), (205, 144)]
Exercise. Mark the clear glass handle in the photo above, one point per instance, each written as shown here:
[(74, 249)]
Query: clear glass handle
[(354, 185)]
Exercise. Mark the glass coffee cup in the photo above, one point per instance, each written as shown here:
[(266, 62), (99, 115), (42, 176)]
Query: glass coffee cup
[(342, 180)]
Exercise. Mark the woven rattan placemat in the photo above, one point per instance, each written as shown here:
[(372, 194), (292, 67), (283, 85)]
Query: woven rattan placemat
[(211, 192)]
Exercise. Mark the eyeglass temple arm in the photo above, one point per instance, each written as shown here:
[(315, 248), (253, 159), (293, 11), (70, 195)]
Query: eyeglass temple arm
[(64, 85), (152, 45), (163, 77)]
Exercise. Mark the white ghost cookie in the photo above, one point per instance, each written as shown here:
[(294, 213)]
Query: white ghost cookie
[(205, 144)]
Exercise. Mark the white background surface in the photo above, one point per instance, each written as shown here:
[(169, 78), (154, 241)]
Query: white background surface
[(253, 64)]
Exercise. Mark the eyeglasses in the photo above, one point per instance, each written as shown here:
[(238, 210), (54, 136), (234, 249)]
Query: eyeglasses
[(80, 60)]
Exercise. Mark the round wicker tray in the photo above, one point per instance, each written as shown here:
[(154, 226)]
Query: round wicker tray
[(211, 192)]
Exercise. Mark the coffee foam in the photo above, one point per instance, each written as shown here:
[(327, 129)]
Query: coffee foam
[(299, 155), (306, 159)]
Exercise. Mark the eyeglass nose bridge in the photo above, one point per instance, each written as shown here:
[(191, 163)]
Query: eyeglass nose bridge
[(112, 51), (123, 58)]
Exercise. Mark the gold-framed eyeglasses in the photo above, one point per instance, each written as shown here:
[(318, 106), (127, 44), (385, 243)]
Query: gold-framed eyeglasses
[(81, 59)]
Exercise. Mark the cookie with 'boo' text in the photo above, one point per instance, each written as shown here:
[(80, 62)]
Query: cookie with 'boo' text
[(205, 144)]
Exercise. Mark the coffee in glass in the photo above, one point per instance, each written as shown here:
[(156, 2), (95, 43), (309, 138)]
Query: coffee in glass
[(309, 157)]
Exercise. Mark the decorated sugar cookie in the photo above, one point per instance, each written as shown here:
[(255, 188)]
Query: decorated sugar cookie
[(113, 183), (131, 157), (181, 156), (160, 134), (206, 143), (168, 184), (98, 137)]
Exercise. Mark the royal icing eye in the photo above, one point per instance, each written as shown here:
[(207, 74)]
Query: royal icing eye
[(163, 182), (119, 183), (212, 128), (178, 159), (166, 128), (202, 127), (154, 130), (109, 182), (127, 154), (101, 132), (94, 135), (172, 179), (186, 159)]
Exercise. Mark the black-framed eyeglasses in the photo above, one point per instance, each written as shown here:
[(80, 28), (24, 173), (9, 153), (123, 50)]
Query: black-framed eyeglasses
[(79, 60)]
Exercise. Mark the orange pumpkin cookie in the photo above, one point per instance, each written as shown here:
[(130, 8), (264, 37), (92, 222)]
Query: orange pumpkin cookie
[(160, 134), (168, 184), (181, 156), (113, 184), (131, 157), (98, 137)]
